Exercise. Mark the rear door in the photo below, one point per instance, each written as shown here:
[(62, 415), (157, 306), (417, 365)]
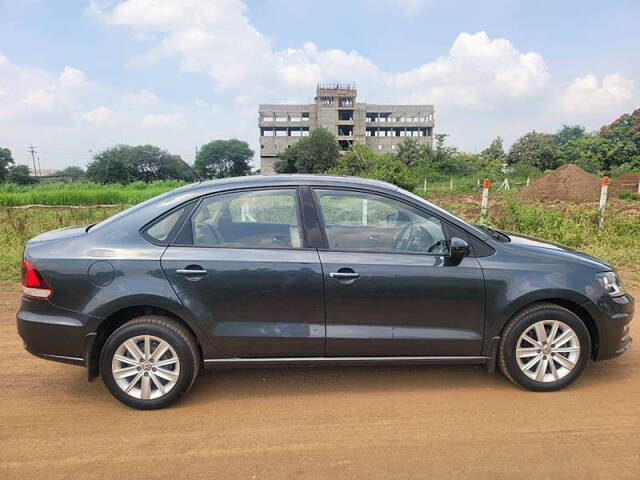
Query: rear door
[(389, 287), (240, 265)]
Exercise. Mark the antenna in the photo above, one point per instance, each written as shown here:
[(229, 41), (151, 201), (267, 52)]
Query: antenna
[(198, 176)]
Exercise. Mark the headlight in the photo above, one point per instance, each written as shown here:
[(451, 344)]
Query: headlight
[(610, 283)]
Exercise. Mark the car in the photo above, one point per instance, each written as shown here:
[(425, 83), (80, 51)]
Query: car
[(311, 270)]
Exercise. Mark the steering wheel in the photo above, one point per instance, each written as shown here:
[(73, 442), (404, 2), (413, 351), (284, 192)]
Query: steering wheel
[(404, 235), (413, 237), (209, 233)]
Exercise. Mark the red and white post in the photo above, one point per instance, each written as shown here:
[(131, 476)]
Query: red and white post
[(485, 198), (603, 199)]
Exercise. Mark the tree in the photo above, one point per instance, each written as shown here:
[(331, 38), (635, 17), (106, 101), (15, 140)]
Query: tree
[(72, 172), (5, 160), (588, 152), (224, 158), (410, 152), (495, 151), (536, 150), (19, 174), (316, 153), (126, 163), (362, 162), (568, 133)]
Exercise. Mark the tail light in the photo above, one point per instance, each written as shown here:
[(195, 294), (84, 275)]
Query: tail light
[(34, 284)]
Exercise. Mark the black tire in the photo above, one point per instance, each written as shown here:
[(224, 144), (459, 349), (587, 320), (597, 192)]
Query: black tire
[(178, 337), (523, 321)]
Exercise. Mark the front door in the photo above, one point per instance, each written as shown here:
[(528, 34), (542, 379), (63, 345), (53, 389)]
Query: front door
[(240, 266), (389, 289)]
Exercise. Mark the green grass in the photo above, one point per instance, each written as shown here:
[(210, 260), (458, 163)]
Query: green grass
[(83, 193), (630, 196)]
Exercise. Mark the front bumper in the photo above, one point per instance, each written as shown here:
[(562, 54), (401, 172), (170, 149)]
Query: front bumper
[(613, 316), (53, 333)]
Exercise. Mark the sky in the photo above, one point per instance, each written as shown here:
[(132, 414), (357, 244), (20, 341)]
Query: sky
[(78, 76)]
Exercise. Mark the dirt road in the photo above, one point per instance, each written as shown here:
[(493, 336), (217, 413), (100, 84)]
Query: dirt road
[(369, 423)]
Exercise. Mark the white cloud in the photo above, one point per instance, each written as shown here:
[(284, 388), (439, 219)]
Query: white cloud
[(158, 120), (98, 116), (477, 72), (587, 95), (32, 91), (72, 78), (221, 42)]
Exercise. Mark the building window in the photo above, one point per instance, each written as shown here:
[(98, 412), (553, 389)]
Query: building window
[(282, 119), (345, 130), (305, 132), (281, 132), (305, 116), (379, 147), (267, 119), (266, 132)]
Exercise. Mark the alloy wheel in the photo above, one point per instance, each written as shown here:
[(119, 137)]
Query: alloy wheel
[(145, 367), (547, 351)]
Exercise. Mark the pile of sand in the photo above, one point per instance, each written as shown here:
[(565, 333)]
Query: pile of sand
[(626, 183), (568, 182)]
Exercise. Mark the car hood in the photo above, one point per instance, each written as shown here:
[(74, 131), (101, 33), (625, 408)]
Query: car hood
[(59, 234), (533, 243)]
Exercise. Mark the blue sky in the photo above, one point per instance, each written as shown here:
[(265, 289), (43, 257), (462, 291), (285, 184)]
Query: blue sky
[(79, 75)]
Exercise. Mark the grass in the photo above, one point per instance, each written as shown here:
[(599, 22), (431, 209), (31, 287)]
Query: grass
[(630, 196), (83, 193)]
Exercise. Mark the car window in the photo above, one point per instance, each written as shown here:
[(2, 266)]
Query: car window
[(368, 222), (259, 218), (161, 229)]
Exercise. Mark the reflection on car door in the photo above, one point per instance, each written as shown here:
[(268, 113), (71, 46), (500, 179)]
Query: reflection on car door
[(399, 297), (240, 266)]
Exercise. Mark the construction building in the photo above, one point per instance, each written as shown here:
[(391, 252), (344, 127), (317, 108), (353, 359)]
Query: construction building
[(381, 127)]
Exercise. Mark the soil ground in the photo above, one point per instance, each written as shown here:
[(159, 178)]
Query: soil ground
[(354, 422)]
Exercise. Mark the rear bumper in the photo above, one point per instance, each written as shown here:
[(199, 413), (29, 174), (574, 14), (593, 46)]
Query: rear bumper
[(613, 317), (53, 333)]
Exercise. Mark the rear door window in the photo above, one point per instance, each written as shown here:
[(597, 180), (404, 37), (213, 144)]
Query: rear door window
[(258, 218)]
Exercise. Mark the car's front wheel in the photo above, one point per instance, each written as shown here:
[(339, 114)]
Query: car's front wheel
[(545, 347), (149, 362)]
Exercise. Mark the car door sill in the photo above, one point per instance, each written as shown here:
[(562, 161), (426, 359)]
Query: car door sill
[(315, 361)]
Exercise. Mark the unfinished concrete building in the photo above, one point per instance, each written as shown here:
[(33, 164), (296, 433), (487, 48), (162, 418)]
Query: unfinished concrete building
[(381, 127)]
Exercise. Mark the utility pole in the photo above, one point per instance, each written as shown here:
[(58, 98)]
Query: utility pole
[(39, 166), (32, 150)]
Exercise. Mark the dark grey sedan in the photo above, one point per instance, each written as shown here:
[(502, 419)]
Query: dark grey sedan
[(310, 270)]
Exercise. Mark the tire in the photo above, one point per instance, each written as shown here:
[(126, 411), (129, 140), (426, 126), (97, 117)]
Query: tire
[(159, 372), (555, 365)]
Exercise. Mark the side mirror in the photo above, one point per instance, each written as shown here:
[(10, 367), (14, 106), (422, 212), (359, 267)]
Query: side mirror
[(458, 249)]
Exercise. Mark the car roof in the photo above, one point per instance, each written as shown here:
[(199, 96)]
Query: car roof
[(286, 179)]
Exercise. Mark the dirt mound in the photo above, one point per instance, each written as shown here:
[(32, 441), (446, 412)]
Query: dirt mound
[(626, 183), (568, 182)]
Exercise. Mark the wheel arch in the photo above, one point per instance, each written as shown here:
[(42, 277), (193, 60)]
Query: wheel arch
[(574, 307), (120, 317)]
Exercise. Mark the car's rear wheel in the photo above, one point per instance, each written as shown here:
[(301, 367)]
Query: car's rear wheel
[(149, 362), (545, 347)]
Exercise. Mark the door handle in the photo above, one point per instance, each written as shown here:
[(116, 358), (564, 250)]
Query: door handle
[(191, 272), (344, 275)]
